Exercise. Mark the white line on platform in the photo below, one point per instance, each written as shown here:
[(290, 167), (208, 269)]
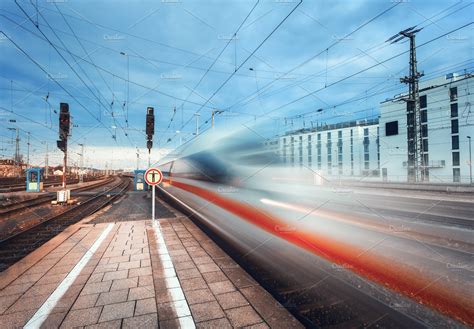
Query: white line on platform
[(42, 314), (172, 283)]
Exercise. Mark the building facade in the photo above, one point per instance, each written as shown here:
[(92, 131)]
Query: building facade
[(377, 149), (447, 119), (349, 149)]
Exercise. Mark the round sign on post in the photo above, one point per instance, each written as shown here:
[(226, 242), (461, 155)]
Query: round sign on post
[(153, 177)]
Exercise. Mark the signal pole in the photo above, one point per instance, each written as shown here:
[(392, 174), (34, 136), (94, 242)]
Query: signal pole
[(46, 162), (28, 150), (64, 126), (416, 171), (150, 130), (81, 174)]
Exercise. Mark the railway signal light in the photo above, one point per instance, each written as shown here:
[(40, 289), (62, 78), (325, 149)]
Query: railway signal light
[(64, 121), (61, 145), (150, 127)]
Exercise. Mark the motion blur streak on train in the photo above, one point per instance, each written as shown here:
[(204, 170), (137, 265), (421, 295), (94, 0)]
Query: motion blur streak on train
[(237, 182)]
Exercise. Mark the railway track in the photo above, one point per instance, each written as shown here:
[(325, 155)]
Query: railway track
[(42, 199), (22, 243), (7, 186)]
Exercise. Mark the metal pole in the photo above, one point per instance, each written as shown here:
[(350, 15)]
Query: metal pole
[(81, 178), (28, 151), (470, 160), (153, 204), (46, 162), (128, 85), (64, 166)]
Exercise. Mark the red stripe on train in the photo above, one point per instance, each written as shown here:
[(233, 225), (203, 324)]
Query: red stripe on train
[(397, 276)]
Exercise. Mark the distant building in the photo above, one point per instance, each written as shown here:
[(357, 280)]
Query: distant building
[(447, 119), (343, 149), (377, 149)]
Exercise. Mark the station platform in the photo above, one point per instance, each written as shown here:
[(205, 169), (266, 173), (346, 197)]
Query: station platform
[(118, 270)]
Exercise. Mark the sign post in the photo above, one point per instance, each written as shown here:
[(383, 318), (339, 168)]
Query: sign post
[(153, 177)]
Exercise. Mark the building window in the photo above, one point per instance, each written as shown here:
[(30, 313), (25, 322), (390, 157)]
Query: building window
[(424, 130), (423, 101), (292, 151), (424, 116), (453, 94), (456, 175), (454, 110), (454, 126), (425, 145), (301, 150), (455, 142), (391, 128), (310, 151), (455, 158)]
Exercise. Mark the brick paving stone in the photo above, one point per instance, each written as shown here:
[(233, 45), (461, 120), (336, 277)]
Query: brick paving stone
[(139, 257), (240, 278), (180, 259), (112, 297), (209, 267), (133, 272), (15, 289), (114, 324), (273, 313), (212, 324), (141, 293), (96, 287), (145, 280), (42, 289), (96, 277), (124, 283), (143, 322), (193, 284), (145, 306), (28, 278), (7, 301), (128, 265), (83, 317), (117, 311), (231, 300), (199, 296), (243, 316), (203, 260), (216, 276), (145, 263), (188, 273), (16, 320), (85, 301), (106, 268), (27, 303), (121, 274), (52, 278), (221, 287), (206, 311), (119, 259), (184, 265)]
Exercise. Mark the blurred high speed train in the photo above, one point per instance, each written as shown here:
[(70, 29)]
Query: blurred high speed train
[(313, 236)]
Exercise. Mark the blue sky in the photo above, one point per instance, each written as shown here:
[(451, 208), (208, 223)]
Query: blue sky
[(164, 48)]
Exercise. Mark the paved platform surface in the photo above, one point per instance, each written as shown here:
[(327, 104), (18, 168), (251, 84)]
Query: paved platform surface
[(132, 274)]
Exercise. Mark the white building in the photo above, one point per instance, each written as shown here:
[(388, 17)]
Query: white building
[(447, 120), (345, 149)]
